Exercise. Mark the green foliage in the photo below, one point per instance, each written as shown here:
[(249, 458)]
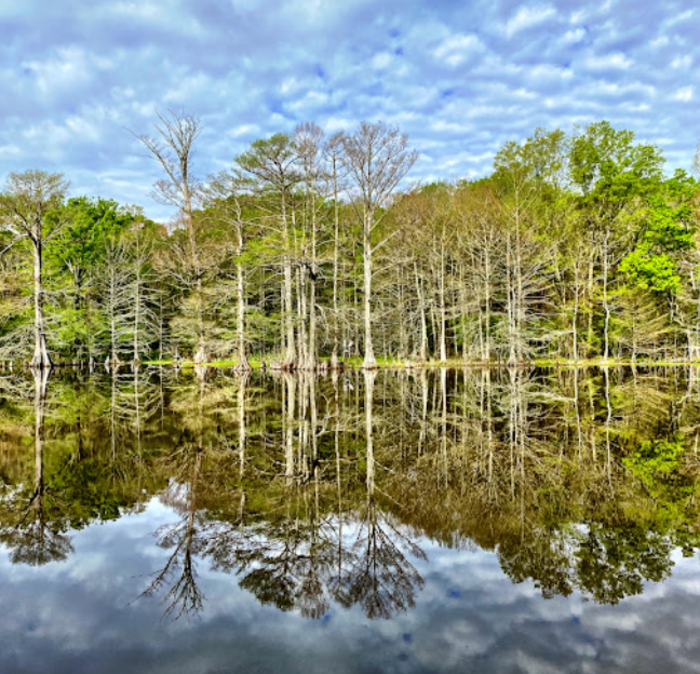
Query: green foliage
[(89, 224), (607, 166), (537, 163), (271, 164), (667, 231), (648, 270)]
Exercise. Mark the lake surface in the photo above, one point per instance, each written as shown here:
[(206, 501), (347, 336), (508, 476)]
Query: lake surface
[(448, 521)]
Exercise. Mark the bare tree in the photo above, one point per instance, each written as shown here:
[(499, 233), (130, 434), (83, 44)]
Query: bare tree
[(377, 158), (24, 207), (172, 149)]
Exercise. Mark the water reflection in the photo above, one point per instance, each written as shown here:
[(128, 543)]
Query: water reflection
[(34, 531), (318, 492)]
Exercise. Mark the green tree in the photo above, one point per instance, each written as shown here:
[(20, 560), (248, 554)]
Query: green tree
[(78, 251), (615, 178)]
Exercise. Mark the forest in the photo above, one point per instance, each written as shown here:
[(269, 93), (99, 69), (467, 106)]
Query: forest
[(313, 251)]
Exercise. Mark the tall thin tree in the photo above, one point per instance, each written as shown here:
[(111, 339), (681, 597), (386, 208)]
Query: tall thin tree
[(377, 158), (24, 207), (172, 149)]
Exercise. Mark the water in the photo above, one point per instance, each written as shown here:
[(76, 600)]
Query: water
[(476, 521)]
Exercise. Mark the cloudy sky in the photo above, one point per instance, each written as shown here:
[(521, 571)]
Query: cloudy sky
[(461, 78)]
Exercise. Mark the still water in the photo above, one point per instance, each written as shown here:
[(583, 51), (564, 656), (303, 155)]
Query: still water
[(449, 521)]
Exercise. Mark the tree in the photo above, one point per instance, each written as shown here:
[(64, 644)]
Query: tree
[(309, 143), (332, 152), (377, 158), (523, 172), (79, 250), (172, 149), (224, 204), (615, 177), (272, 166), (24, 207)]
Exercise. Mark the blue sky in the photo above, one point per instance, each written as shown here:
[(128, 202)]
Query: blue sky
[(461, 78)]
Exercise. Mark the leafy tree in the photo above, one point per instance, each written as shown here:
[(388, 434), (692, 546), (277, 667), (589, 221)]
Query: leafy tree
[(78, 251)]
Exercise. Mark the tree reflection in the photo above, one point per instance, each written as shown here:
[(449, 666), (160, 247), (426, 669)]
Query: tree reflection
[(317, 491), (178, 578), (381, 579), (37, 538)]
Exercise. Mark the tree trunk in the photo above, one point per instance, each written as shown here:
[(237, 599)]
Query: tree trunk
[(606, 306), (312, 357), (200, 355), (243, 363), (370, 361), (41, 359), (334, 356), (512, 358), (423, 354), (302, 356), (443, 317), (137, 308), (290, 356), (487, 303), (574, 323)]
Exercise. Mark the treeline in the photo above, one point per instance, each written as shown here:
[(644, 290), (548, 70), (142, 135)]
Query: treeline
[(304, 253)]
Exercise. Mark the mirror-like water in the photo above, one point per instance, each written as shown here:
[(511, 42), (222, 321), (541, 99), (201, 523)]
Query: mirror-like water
[(448, 521)]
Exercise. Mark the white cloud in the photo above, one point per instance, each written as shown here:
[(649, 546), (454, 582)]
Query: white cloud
[(244, 130), (578, 16), (660, 41), (10, 151), (527, 17), (381, 60), (685, 94), (455, 49), (681, 18), (615, 61), (682, 62), (573, 36), (69, 68)]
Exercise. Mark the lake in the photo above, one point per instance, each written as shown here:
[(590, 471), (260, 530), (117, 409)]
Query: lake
[(477, 520)]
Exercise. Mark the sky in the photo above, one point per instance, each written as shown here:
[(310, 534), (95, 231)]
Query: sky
[(461, 78)]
